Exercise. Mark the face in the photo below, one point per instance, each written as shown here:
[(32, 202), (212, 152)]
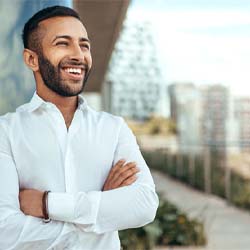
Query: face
[(65, 60)]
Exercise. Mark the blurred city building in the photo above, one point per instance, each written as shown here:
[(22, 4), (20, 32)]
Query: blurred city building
[(133, 86), (216, 111), (203, 116), (186, 111), (242, 115)]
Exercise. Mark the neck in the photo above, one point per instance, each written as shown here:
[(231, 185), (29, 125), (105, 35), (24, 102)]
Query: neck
[(67, 105)]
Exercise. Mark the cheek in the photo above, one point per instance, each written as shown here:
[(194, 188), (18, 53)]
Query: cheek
[(89, 60), (55, 58)]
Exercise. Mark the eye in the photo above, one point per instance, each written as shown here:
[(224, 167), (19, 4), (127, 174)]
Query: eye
[(63, 43), (85, 46)]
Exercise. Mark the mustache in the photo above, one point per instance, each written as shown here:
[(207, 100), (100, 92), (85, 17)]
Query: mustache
[(74, 63)]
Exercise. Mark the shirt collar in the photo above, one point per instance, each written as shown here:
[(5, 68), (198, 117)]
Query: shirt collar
[(36, 102), (82, 103)]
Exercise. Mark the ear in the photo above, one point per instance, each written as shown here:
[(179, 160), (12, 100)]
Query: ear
[(31, 59)]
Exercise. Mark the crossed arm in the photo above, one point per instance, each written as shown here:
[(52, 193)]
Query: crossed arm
[(122, 174), (99, 211)]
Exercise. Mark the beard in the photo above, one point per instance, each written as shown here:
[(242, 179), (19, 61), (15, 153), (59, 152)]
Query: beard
[(52, 77)]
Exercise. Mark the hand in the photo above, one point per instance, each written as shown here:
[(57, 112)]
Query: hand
[(31, 202), (121, 175)]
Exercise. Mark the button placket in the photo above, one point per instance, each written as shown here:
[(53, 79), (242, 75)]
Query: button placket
[(75, 124), (61, 134), (58, 126), (64, 136), (68, 170)]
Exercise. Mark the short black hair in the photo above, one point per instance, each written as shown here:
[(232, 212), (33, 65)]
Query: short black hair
[(31, 37)]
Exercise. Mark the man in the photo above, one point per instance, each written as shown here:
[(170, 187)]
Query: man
[(62, 162)]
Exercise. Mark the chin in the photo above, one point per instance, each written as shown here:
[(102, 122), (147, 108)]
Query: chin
[(75, 92)]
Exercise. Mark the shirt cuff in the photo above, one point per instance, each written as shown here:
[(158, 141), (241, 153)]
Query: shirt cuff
[(80, 208)]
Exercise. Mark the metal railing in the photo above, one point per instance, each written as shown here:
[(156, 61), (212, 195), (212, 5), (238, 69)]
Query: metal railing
[(205, 167)]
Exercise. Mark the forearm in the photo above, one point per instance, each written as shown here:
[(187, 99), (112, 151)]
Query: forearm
[(127, 207), (19, 231), (101, 212)]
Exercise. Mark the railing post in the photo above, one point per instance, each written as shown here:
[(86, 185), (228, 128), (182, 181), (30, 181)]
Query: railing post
[(171, 163), (179, 165), (227, 179), (207, 170), (150, 158), (166, 153), (191, 166)]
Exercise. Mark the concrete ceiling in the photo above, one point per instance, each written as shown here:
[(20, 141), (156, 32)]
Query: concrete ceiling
[(103, 20)]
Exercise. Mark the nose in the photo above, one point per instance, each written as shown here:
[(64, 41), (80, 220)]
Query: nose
[(76, 53), (80, 55)]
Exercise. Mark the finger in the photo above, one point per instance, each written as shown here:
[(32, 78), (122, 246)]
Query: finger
[(114, 169), (128, 181), (127, 166), (117, 166), (123, 169), (108, 182), (125, 175)]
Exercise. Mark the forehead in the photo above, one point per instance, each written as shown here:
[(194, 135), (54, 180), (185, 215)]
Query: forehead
[(58, 26)]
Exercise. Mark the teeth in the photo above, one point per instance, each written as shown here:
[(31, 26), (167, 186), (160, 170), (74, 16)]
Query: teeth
[(73, 70)]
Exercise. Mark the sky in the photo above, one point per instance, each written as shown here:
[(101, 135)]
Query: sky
[(200, 41)]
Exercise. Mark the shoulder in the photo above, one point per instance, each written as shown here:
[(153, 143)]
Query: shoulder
[(7, 119), (8, 130), (105, 117), (6, 122)]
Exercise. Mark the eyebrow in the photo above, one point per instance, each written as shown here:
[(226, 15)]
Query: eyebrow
[(81, 39)]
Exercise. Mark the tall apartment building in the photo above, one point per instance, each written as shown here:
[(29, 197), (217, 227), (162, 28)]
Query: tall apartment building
[(204, 115), (242, 115), (132, 86), (186, 111), (215, 115)]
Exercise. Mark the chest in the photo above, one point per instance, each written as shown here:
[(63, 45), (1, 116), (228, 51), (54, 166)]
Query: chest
[(48, 159)]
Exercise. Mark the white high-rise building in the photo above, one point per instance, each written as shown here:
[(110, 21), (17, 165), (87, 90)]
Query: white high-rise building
[(215, 115), (203, 116), (133, 86), (219, 126), (186, 111), (242, 116)]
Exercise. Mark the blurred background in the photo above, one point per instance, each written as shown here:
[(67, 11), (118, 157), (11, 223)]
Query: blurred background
[(178, 72)]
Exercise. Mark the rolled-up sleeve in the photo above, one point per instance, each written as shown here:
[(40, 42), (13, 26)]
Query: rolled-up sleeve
[(19, 231), (126, 207)]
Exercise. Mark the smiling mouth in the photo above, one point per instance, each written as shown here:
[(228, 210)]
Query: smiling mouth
[(75, 73)]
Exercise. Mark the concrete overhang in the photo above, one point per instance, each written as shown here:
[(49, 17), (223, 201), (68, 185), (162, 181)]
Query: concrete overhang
[(103, 20)]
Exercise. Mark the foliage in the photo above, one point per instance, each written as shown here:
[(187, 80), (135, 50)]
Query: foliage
[(169, 163), (154, 126), (240, 191), (170, 227)]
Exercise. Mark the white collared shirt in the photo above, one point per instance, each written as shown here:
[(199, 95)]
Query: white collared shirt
[(37, 151)]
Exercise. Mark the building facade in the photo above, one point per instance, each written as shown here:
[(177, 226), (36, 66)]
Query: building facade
[(133, 84), (242, 116), (204, 116), (215, 115), (186, 111)]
